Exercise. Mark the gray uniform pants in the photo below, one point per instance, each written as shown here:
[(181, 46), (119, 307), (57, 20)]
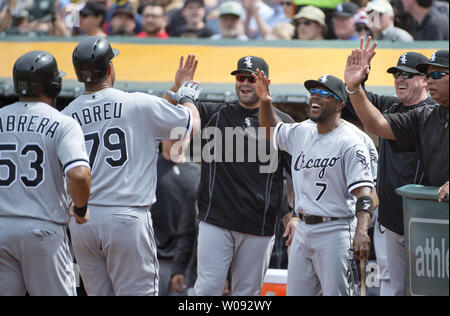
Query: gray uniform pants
[(35, 257), (318, 259), (395, 256), (116, 252), (218, 248)]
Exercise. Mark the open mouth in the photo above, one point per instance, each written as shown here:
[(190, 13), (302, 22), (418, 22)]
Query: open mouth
[(246, 91), (314, 107), (402, 88)]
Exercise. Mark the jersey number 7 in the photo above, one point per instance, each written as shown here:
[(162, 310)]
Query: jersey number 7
[(324, 188)]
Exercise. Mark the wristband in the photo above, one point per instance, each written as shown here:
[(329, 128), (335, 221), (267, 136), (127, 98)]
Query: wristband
[(354, 91), (364, 204), (183, 100), (80, 211)]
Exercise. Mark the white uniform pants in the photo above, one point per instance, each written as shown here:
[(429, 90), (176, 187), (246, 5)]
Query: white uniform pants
[(218, 248)]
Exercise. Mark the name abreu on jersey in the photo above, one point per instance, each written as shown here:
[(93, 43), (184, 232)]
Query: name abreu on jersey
[(28, 124), (98, 113)]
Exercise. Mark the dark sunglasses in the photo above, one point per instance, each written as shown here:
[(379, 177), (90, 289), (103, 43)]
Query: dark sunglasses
[(305, 22), (324, 94), (403, 75), (241, 78), (436, 75), (286, 3)]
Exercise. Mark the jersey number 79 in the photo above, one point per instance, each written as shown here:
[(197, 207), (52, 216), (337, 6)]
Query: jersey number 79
[(120, 146)]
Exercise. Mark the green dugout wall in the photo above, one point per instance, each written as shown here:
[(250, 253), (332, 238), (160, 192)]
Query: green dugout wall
[(150, 64), (426, 241)]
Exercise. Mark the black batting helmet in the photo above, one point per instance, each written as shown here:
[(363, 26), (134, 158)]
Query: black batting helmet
[(37, 73), (92, 57)]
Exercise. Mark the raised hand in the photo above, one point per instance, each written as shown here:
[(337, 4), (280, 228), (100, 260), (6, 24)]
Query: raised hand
[(186, 70), (368, 52), (262, 87), (356, 70)]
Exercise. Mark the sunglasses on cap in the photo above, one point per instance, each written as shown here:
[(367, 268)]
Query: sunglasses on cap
[(241, 78), (324, 94), (436, 75), (404, 75)]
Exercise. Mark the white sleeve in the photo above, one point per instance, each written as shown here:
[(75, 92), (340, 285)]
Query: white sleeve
[(167, 121), (71, 146), (357, 167), (281, 136)]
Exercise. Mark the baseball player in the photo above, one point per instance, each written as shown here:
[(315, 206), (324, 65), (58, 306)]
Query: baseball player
[(116, 251), (332, 183), (40, 149), (238, 204), (396, 168)]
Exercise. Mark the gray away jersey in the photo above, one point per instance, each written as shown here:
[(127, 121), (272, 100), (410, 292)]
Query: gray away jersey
[(373, 152), (38, 145), (326, 168), (122, 132)]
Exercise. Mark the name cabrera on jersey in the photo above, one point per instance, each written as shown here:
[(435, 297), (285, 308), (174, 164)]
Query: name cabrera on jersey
[(122, 132), (38, 145), (326, 168)]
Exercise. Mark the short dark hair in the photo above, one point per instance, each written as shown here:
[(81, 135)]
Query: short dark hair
[(186, 2), (148, 4), (425, 3)]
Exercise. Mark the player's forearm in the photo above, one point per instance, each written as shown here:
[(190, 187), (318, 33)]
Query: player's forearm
[(267, 118), (196, 124), (79, 185), (363, 222), (174, 88), (370, 116)]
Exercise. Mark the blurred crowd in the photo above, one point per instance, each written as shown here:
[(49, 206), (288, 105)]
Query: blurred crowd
[(393, 20)]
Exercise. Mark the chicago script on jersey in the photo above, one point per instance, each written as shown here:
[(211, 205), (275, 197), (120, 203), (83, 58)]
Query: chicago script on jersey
[(28, 124), (98, 113), (319, 163)]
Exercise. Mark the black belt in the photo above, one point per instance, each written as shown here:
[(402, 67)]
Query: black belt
[(313, 219)]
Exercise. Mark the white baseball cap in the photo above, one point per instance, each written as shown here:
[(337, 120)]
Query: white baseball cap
[(231, 7), (382, 6)]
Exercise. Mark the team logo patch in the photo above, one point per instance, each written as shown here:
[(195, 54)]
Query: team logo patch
[(23, 86), (360, 158), (248, 62), (433, 57), (86, 75), (403, 59), (248, 122), (324, 79)]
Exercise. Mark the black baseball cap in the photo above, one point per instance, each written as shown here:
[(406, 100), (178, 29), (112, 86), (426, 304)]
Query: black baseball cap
[(346, 9), (330, 83), (408, 62), (186, 2), (250, 64), (438, 59), (125, 9), (93, 8)]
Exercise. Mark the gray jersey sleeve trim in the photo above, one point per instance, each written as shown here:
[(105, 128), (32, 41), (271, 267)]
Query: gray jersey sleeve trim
[(74, 164), (189, 126), (275, 135), (357, 184)]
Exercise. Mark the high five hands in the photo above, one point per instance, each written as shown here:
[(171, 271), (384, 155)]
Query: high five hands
[(358, 64), (262, 87)]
